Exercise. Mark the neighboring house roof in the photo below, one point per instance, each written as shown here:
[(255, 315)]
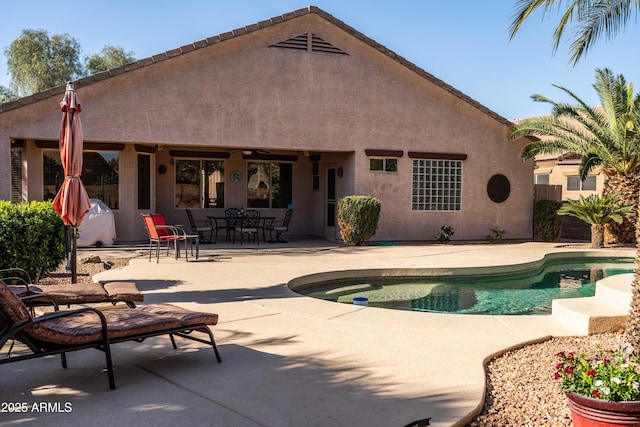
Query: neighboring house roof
[(56, 91)]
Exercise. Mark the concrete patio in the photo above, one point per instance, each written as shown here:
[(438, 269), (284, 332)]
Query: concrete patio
[(288, 360)]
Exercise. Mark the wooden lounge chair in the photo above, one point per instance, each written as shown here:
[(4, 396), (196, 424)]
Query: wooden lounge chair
[(20, 283), (63, 331)]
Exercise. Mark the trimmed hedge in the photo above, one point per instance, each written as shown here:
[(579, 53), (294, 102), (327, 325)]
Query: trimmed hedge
[(32, 237), (358, 218), (546, 221)]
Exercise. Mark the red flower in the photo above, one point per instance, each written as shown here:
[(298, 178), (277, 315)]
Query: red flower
[(568, 370), (595, 393), (560, 366), (556, 376), (560, 353), (606, 361), (591, 373)]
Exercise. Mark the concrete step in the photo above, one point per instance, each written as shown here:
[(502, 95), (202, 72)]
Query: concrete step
[(607, 311)]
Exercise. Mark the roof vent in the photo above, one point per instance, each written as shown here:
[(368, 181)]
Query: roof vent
[(309, 42)]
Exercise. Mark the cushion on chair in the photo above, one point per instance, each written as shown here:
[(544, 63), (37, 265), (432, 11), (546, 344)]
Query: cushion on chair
[(123, 291), (187, 316), (12, 307), (73, 293), (85, 327)]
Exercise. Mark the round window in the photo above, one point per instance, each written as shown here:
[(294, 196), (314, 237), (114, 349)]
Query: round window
[(498, 188)]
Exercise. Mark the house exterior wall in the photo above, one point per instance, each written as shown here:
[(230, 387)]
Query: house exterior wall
[(241, 93), (559, 170)]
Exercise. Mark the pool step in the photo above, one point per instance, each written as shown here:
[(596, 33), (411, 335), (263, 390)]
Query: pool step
[(607, 311)]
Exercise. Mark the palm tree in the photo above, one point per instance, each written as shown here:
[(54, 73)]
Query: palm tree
[(607, 137), (597, 211), (591, 18)]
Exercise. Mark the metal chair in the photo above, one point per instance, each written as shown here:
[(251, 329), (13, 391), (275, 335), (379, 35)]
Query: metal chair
[(279, 227), (249, 224), (200, 227), (232, 219)]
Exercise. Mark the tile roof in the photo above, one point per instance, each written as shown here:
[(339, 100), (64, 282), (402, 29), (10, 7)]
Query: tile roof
[(58, 90)]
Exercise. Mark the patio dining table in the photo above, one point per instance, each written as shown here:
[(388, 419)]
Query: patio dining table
[(220, 223)]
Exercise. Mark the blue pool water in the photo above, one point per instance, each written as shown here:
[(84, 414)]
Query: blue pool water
[(528, 292)]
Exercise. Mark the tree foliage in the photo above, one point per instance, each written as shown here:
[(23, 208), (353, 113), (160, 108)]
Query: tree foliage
[(6, 95), (589, 20), (608, 136), (598, 211), (37, 62), (109, 57)]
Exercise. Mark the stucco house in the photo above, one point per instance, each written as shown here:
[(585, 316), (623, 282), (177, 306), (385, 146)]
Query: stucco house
[(297, 110), (563, 170)]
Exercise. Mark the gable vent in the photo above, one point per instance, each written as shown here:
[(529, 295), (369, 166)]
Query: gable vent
[(309, 42)]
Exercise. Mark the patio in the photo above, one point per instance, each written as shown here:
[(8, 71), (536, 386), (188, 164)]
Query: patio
[(288, 360)]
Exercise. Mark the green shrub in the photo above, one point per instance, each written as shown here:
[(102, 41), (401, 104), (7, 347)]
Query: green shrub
[(497, 235), (546, 221), (32, 237), (358, 218), (445, 234)]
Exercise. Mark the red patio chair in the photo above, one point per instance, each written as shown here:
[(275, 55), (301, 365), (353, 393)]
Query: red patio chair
[(160, 233)]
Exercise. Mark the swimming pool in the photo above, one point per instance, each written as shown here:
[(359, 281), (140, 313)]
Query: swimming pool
[(522, 289)]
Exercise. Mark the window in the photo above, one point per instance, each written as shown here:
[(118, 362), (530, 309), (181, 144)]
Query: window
[(269, 185), (100, 175), (574, 183), (383, 165), (437, 185), (16, 175), (144, 181), (541, 178), (199, 183)]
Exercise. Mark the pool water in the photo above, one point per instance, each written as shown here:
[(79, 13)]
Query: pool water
[(516, 293)]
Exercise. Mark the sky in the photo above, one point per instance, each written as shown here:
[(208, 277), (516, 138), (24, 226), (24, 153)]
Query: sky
[(464, 43)]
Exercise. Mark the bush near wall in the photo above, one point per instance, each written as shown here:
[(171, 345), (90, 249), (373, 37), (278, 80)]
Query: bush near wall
[(32, 237), (546, 221), (358, 218)]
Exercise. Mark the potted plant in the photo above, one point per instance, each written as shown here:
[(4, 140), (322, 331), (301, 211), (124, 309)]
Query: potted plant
[(603, 390)]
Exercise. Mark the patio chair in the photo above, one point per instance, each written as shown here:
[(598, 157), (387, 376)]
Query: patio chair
[(249, 224), (159, 232), (59, 332), (200, 227), (232, 219), (21, 284), (279, 227)]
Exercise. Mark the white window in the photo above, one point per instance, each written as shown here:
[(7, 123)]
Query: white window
[(542, 178), (437, 185), (574, 183)]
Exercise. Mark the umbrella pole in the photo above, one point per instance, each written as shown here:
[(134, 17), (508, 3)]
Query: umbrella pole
[(74, 254)]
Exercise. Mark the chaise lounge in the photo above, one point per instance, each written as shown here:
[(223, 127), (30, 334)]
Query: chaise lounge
[(62, 331), (19, 281)]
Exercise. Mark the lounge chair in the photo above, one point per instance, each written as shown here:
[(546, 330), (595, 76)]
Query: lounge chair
[(63, 331), (20, 283)]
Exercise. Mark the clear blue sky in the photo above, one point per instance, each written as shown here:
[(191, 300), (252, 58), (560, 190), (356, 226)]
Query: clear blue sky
[(464, 43)]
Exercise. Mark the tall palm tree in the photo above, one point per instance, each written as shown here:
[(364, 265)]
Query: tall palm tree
[(597, 211), (592, 20), (607, 137)]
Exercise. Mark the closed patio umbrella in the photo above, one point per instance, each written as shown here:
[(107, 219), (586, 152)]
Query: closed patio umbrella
[(72, 201)]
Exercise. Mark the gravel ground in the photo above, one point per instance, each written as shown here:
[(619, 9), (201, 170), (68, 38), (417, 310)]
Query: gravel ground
[(521, 390), (86, 269)]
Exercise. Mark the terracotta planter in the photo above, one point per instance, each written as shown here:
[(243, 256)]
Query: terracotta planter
[(590, 412)]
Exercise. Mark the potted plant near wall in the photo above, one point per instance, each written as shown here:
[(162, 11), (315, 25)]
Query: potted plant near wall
[(603, 390)]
